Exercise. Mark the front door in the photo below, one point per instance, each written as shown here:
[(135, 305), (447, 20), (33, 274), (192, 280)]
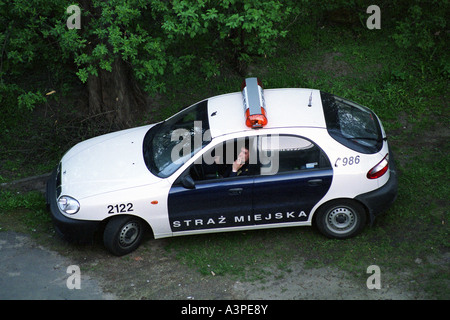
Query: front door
[(215, 198), (212, 204)]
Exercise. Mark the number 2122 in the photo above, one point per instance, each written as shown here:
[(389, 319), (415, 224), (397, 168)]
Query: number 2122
[(120, 208)]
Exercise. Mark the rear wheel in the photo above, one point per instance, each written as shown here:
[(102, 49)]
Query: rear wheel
[(341, 219), (123, 234)]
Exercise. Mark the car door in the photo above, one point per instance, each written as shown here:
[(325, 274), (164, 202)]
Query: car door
[(300, 175), (204, 197)]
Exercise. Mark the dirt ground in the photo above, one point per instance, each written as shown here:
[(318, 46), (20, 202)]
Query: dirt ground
[(37, 269), (154, 274)]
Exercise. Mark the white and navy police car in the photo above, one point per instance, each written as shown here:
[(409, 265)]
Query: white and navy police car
[(240, 161)]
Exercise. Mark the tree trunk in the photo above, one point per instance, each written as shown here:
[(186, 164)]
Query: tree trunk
[(114, 96)]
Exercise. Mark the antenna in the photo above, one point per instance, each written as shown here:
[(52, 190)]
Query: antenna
[(310, 100)]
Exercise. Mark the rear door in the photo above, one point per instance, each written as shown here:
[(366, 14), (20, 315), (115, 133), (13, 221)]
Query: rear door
[(295, 175)]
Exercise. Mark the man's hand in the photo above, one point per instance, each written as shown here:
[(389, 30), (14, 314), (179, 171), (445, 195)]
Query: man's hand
[(238, 163)]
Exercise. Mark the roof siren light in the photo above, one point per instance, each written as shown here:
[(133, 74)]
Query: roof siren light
[(254, 105)]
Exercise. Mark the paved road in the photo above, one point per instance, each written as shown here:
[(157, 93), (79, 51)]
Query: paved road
[(31, 272)]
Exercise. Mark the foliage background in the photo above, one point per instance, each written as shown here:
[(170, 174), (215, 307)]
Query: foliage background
[(156, 39)]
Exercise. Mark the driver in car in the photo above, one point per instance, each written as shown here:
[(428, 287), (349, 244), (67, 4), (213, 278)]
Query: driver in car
[(240, 166)]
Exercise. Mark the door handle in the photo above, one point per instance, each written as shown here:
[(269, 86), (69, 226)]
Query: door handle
[(235, 191), (315, 182)]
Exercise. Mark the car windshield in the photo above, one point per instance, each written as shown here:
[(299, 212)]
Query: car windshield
[(168, 145), (351, 124)]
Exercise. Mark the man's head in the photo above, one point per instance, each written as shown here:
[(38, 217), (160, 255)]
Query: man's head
[(244, 154)]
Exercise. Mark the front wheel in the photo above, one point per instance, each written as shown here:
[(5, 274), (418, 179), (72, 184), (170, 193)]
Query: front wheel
[(341, 219), (123, 234)]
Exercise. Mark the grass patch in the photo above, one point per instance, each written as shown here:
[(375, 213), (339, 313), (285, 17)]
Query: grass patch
[(23, 212)]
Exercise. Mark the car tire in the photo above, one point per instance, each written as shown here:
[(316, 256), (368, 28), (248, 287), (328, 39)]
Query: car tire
[(123, 234), (341, 219)]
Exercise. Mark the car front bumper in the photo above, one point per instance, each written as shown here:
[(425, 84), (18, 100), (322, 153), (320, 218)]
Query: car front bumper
[(73, 230), (379, 200)]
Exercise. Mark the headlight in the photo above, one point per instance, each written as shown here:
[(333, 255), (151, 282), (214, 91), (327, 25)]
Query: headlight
[(68, 205)]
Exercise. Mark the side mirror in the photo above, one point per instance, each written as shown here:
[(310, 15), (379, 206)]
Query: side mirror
[(188, 182)]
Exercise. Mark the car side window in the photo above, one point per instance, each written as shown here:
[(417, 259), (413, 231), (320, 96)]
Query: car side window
[(287, 153), (232, 158)]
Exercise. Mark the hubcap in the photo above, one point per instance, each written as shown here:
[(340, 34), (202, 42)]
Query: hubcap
[(128, 234), (341, 220)]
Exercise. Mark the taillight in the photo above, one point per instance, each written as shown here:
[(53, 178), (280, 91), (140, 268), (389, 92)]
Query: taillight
[(379, 169)]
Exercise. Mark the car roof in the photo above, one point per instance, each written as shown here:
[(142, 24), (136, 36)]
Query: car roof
[(287, 107)]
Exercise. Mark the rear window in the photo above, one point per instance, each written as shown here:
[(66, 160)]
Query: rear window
[(352, 125), (293, 153)]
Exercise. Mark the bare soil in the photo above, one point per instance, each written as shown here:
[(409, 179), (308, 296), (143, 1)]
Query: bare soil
[(153, 273)]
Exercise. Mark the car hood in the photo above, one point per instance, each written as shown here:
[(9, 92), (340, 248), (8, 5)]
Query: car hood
[(106, 163)]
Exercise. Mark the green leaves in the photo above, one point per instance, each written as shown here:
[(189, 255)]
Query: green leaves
[(29, 99), (154, 37), (423, 26), (157, 37)]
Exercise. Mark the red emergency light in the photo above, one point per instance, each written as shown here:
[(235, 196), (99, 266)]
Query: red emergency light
[(254, 104)]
